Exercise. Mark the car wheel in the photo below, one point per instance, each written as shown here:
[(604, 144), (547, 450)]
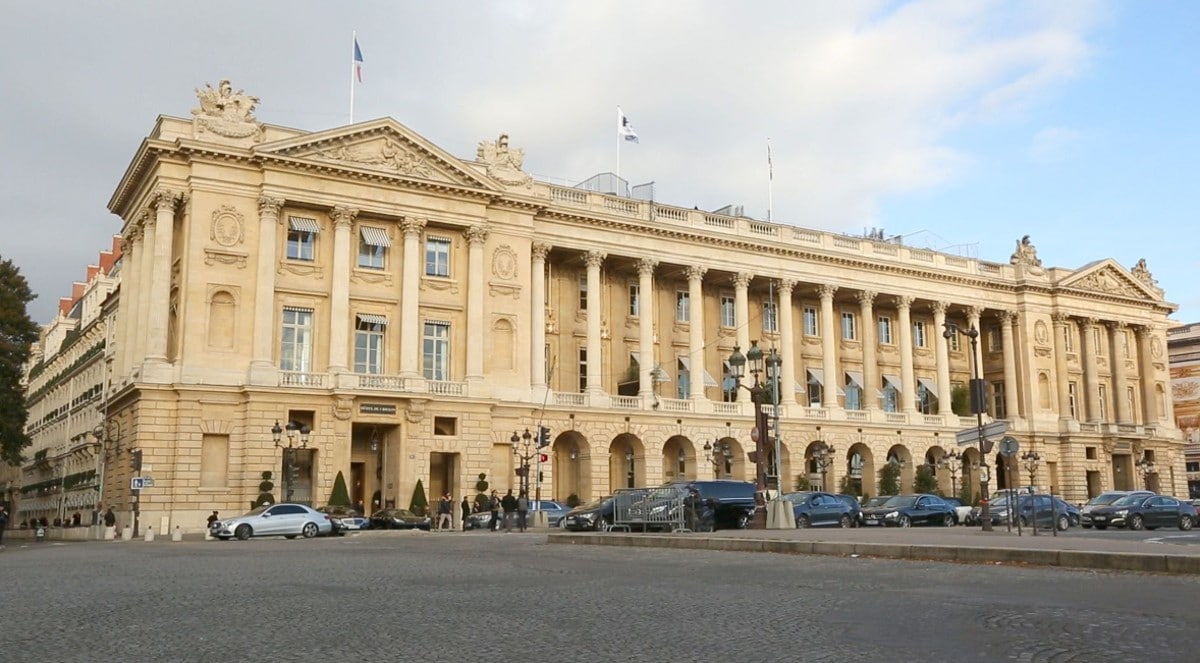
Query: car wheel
[(243, 532), (1185, 523), (949, 521), (309, 531), (802, 522), (742, 523), (844, 521), (602, 525), (1136, 522), (905, 521), (1064, 523)]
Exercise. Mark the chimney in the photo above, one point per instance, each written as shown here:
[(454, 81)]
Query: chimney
[(92, 270), (64, 305), (77, 291)]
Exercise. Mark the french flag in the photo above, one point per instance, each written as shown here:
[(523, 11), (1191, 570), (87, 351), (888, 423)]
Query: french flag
[(358, 61)]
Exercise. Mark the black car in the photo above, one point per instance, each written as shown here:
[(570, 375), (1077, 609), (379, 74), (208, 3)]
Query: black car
[(726, 503), (596, 517), (855, 507), (1145, 512), (1102, 500), (1043, 510), (398, 519), (814, 509), (909, 510)]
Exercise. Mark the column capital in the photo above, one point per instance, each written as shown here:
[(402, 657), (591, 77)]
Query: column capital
[(269, 206), (1144, 332), (476, 234), (1117, 325), (1007, 316), (1086, 323), (1060, 319), (786, 286), (539, 250), (866, 297), (975, 312), (742, 279), (343, 217), (826, 290), (165, 200), (939, 307), (695, 272), (904, 301), (412, 225), (646, 266), (595, 258)]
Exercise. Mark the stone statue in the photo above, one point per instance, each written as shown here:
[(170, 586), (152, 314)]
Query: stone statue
[(503, 164), (1026, 254), (225, 112), (1142, 273)]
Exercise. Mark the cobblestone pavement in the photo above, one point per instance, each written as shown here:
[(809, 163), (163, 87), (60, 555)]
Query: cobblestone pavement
[(500, 597)]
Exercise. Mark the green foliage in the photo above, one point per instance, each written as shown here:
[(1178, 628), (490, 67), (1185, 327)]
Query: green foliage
[(848, 486), (340, 495), (802, 482), (925, 481), (965, 494), (419, 504), (264, 491), (481, 486), (573, 500), (889, 479), (17, 333), (960, 400)]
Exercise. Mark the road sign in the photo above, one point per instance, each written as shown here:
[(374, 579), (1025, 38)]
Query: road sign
[(137, 483), (147, 482), (969, 436), (1009, 445)]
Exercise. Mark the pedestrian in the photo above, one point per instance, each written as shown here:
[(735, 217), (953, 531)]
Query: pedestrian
[(494, 507), (3, 523), (510, 509), (445, 512), (110, 518), (212, 519), (522, 510), (466, 511)]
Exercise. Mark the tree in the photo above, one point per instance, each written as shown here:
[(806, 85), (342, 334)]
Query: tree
[(889, 479), (802, 482), (340, 496), (965, 494), (925, 481), (17, 332), (849, 486), (418, 503), (960, 401)]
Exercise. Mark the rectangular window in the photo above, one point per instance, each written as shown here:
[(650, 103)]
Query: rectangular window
[(683, 306), (891, 398), (728, 318), (635, 299), (853, 397), (999, 405), (583, 291), (301, 238), (368, 343), (1068, 338), (848, 331), (954, 344), (994, 339), (1131, 401), (770, 320), (1096, 345), (437, 256), (296, 340), (582, 363), (1073, 399), (919, 334), (811, 326), (729, 386), (684, 383), (435, 350), (1103, 402), (214, 461), (373, 244), (885, 330)]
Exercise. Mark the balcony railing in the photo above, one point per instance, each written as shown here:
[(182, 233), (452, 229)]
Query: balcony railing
[(381, 382), (627, 402), (674, 405), (720, 407), (569, 399), (301, 379), (444, 388)]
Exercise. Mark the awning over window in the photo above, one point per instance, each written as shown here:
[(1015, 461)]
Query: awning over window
[(372, 319), (929, 385), (854, 378), (817, 374), (375, 236), (303, 224), (894, 382), (686, 363)]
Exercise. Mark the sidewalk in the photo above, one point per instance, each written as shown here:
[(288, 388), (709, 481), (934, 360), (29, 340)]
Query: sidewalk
[(949, 545)]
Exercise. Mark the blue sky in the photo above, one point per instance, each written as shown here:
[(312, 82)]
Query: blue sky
[(960, 125)]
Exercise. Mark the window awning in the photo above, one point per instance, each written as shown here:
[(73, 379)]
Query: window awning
[(817, 374), (686, 363), (372, 319), (929, 385), (303, 224), (375, 236), (894, 382), (854, 378)]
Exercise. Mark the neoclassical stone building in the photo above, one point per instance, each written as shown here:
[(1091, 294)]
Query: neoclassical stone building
[(414, 310), (1183, 346)]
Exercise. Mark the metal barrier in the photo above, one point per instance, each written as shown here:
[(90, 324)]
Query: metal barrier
[(651, 509)]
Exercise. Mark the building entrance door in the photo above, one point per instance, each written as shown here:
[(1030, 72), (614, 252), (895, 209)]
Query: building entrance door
[(1122, 470), (443, 478), (357, 489)]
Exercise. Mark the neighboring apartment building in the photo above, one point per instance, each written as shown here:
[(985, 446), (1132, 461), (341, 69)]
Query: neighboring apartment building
[(1183, 347), (414, 311), (65, 383)]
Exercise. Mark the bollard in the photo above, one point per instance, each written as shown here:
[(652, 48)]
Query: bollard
[(149, 534), (110, 533), (177, 535), (127, 533), (39, 534)]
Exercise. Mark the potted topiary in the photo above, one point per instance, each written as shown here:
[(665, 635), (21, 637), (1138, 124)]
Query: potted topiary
[(264, 491), (418, 504), (340, 495), (481, 496)]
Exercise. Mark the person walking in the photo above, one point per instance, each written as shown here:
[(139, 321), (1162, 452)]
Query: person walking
[(110, 518), (522, 510), (3, 523), (212, 519), (445, 512), (510, 509), (494, 506), (466, 511)]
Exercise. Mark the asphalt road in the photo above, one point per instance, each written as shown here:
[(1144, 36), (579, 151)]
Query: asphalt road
[(502, 597), (1166, 536)]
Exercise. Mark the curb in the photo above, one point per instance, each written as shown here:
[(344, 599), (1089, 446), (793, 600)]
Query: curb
[(1075, 559)]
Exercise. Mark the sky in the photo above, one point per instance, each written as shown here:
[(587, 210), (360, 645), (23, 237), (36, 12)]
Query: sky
[(956, 125)]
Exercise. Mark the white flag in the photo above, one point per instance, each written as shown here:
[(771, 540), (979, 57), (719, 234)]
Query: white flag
[(624, 128)]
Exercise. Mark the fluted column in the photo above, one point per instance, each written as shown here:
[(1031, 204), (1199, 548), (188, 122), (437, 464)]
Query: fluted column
[(127, 320), (1091, 376), (476, 237), (866, 309), (263, 332), (741, 310), (1011, 395), (829, 344), (942, 350), (339, 298), (787, 353), (695, 276), (410, 318), (594, 363), (1146, 372), (646, 300), (1062, 377), (537, 315), (160, 282), (1120, 377), (143, 293), (908, 381)]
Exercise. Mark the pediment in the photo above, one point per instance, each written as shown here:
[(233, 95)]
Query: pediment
[(384, 146), (1110, 278)]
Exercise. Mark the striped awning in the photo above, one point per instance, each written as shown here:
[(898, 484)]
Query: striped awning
[(854, 378), (375, 236), (303, 224), (372, 319), (686, 363), (929, 385), (894, 382)]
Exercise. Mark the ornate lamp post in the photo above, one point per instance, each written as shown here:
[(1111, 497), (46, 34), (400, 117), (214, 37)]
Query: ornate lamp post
[(720, 454), (526, 442), (294, 430), (823, 456), (758, 364), (952, 461), (978, 406), (629, 473)]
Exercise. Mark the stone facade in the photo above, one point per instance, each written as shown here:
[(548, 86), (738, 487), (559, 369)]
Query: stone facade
[(1183, 346), (416, 311)]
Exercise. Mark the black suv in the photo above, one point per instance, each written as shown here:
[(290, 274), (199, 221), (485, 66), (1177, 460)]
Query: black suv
[(723, 503)]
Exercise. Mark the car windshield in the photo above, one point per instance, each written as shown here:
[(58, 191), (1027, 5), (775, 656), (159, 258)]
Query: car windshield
[(1129, 500), (901, 501), (878, 501), (797, 498), (1107, 498), (598, 504), (257, 511)]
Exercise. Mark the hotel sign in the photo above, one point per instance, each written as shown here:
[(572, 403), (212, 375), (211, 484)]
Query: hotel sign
[(376, 408)]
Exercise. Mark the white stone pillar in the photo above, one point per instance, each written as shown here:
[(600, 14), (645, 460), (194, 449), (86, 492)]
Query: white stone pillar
[(131, 256), (1062, 376), (1120, 376), (537, 315), (741, 313), (595, 364), (410, 302), (262, 368), (1146, 373), (1091, 376), (870, 386), (829, 344), (339, 296), (160, 283), (1012, 397), (145, 277), (787, 336), (908, 382), (476, 238), (695, 276), (646, 267), (942, 349)]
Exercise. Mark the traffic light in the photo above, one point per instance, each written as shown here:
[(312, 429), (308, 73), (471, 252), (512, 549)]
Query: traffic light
[(135, 461), (543, 458), (540, 474), (543, 436)]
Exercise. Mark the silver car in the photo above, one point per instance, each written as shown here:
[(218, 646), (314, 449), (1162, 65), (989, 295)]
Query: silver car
[(286, 520)]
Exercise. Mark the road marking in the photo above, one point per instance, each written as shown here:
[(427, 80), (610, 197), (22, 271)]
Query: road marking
[(1162, 539)]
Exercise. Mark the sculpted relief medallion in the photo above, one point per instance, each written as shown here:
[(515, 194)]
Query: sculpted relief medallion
[(227, 226), (1040, 333), (504, 263)]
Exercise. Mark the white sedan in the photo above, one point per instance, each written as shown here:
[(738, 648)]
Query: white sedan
[(286, 520)]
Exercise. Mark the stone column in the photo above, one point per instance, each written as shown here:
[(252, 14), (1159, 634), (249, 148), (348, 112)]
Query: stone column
[(829, 344), (144, 277), (131, 252), (645, 268), (1120, 377), (262, 366), (908, 380), (741, 311), (787, 335), (476, 328), (339, 296), (1168, 401), (866, 299), (1011, 395), (410, 304), (160, 283), (1091, 376), (1062, 376), (537, 315), (1146, 373), (695, 276), (595, 366), (942, 350)]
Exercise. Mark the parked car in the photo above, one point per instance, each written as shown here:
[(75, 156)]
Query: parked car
[(596, 516), (399, 519), (855, 507), (872, 502), (1102, 500), (909, 510), (732, 502), (554, 513), (345, 518), (1043, 510), (286, 520), (962, 512), (1145, 512), (1071, 510), (814, 509)]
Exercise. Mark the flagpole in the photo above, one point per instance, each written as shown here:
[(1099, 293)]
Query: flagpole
[(353, 42), (619, 138), (770, 182)]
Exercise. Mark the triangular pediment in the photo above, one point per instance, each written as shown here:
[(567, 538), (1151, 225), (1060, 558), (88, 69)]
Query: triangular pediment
[(383, 146), (1110, 278)]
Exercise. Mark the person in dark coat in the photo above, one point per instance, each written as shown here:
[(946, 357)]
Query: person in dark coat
[(110, 518), (522, 510), (494, 506), (466, 511), (510, 509)]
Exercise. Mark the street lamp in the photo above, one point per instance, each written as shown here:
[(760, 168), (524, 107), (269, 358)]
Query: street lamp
[(1030, 459), (758, 364), (978, 406), (629, 473), (720, 454), (526, 441), (1146, 467), (952, 461), (294, 430), (823, 456)]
